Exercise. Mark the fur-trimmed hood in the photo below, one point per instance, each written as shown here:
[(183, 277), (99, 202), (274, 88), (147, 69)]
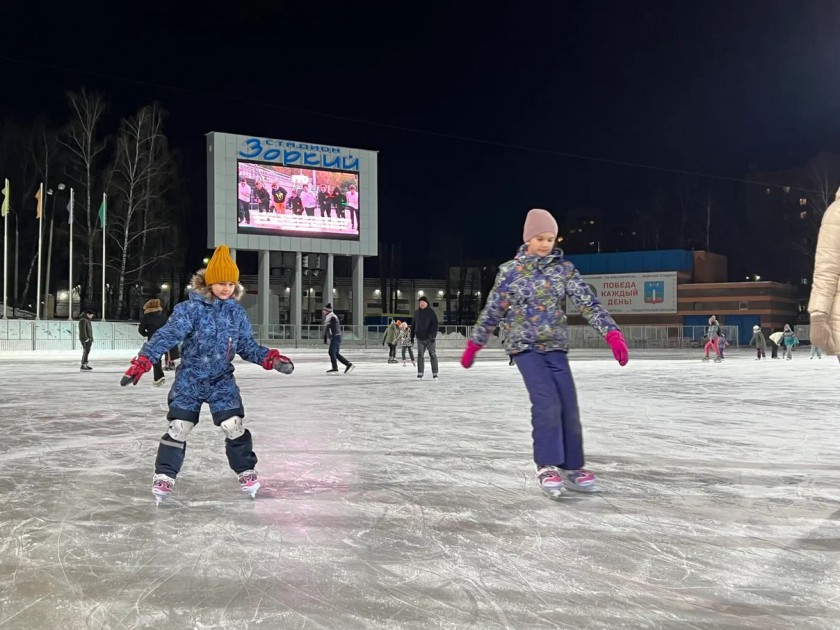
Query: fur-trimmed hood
[(152, 306), (202, 290)]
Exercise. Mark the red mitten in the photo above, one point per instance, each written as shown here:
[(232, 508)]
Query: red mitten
[(618, 346), (139, 366), (468, 358), (276, 361)]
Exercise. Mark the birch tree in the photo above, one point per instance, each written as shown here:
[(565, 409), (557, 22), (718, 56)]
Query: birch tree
[(141, 173), (84, 147)]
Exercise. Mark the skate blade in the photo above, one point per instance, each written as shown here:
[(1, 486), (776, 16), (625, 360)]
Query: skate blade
[(252, 491), (553, 494), (576, 488)]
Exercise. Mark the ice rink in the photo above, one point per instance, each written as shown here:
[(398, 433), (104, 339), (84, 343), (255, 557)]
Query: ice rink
[(389, 502)]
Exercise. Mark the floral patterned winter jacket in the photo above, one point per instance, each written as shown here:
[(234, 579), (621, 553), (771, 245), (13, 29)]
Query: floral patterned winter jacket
[(528, 295)]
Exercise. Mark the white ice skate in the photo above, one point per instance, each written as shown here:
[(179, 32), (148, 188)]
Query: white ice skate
[(551, 481), (581, 480), (162, 487), (248, 482)]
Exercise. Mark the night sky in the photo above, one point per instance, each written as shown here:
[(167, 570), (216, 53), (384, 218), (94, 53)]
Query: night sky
[(476, 110)]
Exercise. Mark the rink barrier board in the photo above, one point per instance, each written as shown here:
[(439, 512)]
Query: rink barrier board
[(17, 335)]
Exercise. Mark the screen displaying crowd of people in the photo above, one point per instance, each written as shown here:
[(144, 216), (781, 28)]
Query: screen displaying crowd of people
[(294, 201)]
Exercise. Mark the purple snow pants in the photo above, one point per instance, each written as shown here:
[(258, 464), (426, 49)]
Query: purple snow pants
[(557, 435)]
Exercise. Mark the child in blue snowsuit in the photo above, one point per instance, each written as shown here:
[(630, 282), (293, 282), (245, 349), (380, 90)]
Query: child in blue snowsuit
[(528, 294), (213, 327)]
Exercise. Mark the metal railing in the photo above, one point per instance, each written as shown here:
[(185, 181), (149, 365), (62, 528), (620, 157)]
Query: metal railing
[(23, 335)]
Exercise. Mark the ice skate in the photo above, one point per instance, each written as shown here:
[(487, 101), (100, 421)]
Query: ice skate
[(349, 368), (581, 480), (332, 371), (718, 359), (160, 381), (162, 487), (551, 481), (248, 482), (434, 377), (419, 376), (705, 359)]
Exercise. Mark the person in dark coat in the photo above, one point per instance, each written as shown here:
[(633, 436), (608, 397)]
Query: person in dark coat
[(425, 329), (153, 320), (86, 338), (261, 195), (332, 336)]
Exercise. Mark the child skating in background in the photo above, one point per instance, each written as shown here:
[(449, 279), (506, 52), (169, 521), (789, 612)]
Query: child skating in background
[(776, 341), (404, 339), (528, 294), (789, 341), (712, 336), (722, 343), (759, 342), (815, 350), (213, 327)]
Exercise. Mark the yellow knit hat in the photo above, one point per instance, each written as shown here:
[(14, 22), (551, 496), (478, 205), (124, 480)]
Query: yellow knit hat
[(221, 267)]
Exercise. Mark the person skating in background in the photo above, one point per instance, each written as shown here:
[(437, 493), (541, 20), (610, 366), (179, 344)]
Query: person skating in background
[(153, 320), (353, 205), (712, 336), (85, 338), (504, 334), (759, 342), (529, 294), (815, 351), (213, 327), (722, 345), (390, 339), (244, 194), (775, 344), (425, 330), (332, 336), (789, 341), (405, 342)]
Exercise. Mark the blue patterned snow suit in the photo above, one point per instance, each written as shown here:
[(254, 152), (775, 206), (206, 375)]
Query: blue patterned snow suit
[(528, 295), (211, 332)]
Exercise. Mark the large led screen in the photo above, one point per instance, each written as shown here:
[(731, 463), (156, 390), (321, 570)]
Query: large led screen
[(294, 201)]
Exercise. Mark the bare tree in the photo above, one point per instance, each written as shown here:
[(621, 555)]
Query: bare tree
[(84, 146), (141, 171)]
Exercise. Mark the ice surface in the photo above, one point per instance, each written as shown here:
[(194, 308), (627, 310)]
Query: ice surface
[(389, 502)]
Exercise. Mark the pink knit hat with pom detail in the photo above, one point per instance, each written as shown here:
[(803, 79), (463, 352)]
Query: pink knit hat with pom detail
[(537, 222)]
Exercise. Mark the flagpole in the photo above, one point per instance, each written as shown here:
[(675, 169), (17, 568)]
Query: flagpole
[(5, 250), (40, 243), (104, 221), (70, 282)]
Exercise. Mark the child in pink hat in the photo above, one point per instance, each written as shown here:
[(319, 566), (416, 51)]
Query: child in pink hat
[(528, 295)]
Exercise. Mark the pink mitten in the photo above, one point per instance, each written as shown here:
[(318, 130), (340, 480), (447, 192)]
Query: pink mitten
[(470, 351), (618, 346)]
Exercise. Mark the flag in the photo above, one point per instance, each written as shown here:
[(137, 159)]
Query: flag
[(4, 210), (70, 210), (38, 208), (103, 210)]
